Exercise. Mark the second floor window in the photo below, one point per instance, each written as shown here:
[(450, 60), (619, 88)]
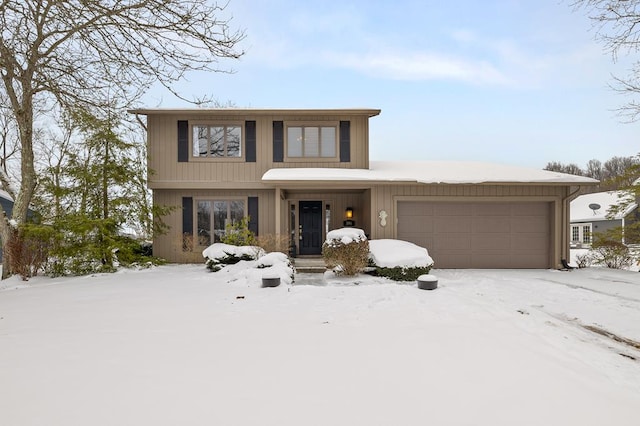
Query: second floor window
[(310, 141), (217, 141)]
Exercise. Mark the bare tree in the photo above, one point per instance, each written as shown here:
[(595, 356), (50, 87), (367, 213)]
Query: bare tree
[(572, 169), (617, 168), (77, 54), (594, 169), (617, 25)]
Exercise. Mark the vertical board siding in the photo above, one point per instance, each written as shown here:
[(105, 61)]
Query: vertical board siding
[(183, 141), (250, 141), (169, 245), (173, 166)]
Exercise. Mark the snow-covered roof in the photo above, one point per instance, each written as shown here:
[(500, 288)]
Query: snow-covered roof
[(581, 212), (428, 172)]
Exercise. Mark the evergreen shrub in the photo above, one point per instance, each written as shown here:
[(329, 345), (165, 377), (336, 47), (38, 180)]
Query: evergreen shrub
[(400, 273)]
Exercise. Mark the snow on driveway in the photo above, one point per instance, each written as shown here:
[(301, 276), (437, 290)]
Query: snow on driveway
[(177, 345)]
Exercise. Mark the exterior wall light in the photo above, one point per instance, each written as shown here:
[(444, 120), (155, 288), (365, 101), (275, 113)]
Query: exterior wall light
[(349, 213)]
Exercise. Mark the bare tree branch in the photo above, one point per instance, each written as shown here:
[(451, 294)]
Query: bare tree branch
[(617, 26), (86, 54)]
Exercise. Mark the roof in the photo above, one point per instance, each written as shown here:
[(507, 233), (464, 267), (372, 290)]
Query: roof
[(428, 172), (581, 212), (369, 112)]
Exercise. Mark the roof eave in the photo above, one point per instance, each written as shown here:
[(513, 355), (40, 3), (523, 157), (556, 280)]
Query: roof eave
[(369, 112)]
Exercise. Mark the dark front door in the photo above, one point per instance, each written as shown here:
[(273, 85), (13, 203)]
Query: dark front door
[(310, 227)]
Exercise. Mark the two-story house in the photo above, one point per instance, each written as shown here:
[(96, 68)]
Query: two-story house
[(301, 173)]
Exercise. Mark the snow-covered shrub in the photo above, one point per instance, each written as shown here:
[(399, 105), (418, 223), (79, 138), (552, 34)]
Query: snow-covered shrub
[(278, 263), (248, 264), (399, 260), (219, 254), (346, 251), (610, 253)]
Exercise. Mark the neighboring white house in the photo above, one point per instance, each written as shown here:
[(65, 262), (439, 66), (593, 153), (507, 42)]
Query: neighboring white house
[(589, 213)]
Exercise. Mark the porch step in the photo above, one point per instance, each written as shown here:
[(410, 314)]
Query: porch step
[(310, 265)]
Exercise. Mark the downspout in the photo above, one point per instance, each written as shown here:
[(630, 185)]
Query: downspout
[(566, 219)]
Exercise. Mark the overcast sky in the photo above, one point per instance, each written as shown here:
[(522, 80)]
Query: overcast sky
[(516, 82)]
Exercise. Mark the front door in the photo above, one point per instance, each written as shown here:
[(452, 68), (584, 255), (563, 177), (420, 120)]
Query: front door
[(310, 227)]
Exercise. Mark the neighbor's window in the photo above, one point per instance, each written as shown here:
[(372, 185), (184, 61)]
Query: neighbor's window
[(311, 141), (581, 233), (214, 216), (575, 233), (217, 141), (586, 234)]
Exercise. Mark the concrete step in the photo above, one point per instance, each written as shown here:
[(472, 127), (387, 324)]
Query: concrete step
[(310, 265), (311, 269)]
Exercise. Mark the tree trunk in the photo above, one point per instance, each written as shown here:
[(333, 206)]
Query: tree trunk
[(24, 119), (105, 180)]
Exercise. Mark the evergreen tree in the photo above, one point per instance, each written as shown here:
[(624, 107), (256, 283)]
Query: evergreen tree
[(94, 195)]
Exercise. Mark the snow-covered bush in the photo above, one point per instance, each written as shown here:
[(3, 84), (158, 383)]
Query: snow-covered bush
[(399, 260), (346, 251), (610, 253), (219, 254), (278, 264), (248, 263)]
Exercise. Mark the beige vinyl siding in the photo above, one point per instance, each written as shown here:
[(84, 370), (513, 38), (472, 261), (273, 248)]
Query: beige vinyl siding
[(233, 172), (169, 246)]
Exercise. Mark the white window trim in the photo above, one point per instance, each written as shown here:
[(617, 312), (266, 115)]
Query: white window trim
[(581, 227)]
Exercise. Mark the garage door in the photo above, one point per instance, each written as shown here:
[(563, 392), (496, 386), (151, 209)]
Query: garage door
[(478, 235)]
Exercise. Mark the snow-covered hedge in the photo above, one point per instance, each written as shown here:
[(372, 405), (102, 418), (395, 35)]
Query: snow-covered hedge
[(399, 260), (219, 254), (346, 250), (248, 264)]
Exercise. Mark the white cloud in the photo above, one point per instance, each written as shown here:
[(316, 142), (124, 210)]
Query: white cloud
[(419, 66)]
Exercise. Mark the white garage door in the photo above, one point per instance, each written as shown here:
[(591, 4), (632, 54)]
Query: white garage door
[(478, 235)]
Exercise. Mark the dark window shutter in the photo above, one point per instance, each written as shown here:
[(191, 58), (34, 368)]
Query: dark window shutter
[(345, 141), (250, 141), (187, 215), (278, 141), (183, 141), (252, 209)]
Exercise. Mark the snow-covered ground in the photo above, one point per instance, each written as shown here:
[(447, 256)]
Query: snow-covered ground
[(177, 345)]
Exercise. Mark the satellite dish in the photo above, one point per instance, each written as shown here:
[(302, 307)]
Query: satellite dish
[(595, 207)]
